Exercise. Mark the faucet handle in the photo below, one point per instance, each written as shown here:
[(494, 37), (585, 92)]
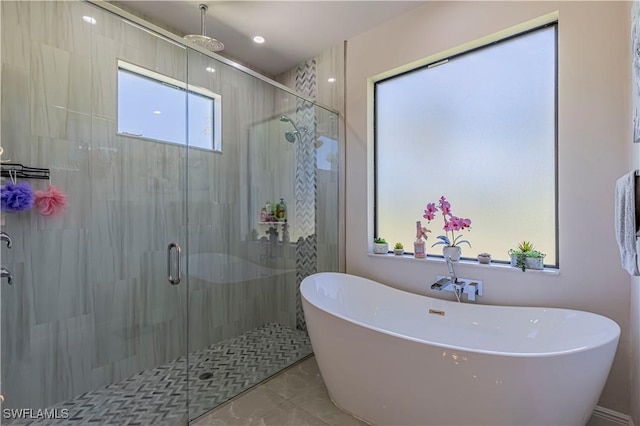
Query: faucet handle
[(5, 237), (5, 273), (473, 289)]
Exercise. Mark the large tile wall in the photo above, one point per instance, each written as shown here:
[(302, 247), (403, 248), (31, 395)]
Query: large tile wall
[(90, 304), (329, 63)]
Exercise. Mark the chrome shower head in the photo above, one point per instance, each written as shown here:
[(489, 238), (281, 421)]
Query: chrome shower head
[(201, 39), (286, 119), (291, 136)]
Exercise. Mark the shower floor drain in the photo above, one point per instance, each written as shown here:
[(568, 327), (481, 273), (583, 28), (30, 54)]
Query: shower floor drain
[(205, 376)]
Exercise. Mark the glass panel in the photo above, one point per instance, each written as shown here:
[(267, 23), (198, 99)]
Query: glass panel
[(245, 264), (479, 130), (91, 328)]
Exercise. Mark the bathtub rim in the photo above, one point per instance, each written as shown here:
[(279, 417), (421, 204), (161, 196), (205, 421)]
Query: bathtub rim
[(614, 336)]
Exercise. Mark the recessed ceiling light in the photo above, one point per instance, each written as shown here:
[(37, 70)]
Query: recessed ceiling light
[(89, 19), (258, 39), (210, 69), (331, 80), (157, 112)]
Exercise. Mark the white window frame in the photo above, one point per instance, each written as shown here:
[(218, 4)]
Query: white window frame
[(161, 78), (550, 20)]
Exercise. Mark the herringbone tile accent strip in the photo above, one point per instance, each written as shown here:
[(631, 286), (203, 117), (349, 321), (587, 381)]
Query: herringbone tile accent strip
[(159, 396), (306, 182)]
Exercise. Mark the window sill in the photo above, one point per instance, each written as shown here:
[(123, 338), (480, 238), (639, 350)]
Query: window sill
[(471, 263)]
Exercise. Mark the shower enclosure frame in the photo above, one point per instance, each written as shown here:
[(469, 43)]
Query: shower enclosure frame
[(179, 40)]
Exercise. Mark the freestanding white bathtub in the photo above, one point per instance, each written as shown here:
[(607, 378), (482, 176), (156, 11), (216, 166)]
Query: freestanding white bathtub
[(389, 361)]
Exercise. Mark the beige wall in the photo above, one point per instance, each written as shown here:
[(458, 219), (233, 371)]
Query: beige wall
[(594, 138)]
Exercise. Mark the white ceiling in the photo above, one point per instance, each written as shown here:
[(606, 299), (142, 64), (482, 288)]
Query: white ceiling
[(294, 30)]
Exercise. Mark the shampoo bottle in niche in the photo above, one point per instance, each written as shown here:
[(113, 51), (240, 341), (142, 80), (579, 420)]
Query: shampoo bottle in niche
[(269, 211), (263, 215), (281, 211)]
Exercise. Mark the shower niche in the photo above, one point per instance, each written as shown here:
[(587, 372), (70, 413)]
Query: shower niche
[(271, 163)]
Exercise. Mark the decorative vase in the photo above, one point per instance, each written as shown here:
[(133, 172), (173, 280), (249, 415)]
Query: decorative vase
[(398, 252), (484, 258), (452, 252)]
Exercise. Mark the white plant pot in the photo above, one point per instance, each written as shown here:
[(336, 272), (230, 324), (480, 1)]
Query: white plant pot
[(380, 248), (398, 252), (452, 252), (534, 263)]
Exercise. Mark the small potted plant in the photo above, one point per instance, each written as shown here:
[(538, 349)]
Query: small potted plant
[(380, 246), (526, 256), (484, 258), (398, 249)]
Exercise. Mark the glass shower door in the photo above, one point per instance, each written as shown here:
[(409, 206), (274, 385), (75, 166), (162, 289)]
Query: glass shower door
[(94, 324)]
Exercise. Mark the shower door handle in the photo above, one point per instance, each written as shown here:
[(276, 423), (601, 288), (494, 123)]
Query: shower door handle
[(173, 248)]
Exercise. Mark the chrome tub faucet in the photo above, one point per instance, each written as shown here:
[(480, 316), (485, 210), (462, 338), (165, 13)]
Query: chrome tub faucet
[(458, 286)]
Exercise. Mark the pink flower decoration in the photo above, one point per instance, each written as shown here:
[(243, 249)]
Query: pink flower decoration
[(451, 223), (50, 202)]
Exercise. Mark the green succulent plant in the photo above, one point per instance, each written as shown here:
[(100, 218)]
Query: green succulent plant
[(380, 241), (525, 246), (398, 246), (525, 249)]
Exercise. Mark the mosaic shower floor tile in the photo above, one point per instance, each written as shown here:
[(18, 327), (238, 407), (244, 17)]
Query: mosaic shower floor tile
[(159, 396)]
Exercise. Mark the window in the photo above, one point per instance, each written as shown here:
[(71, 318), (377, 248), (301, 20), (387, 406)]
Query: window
[(153, 106), (480, 129)]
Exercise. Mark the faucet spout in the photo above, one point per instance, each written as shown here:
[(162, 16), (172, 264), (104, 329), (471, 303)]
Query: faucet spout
[(5, 273), (442, 284)]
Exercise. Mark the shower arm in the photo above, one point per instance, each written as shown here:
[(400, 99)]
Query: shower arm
[(203, 10)]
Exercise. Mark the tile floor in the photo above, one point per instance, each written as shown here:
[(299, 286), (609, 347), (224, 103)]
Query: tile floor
[(297, 396)]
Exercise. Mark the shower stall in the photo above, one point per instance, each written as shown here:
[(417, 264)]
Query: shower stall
[(161, 291)]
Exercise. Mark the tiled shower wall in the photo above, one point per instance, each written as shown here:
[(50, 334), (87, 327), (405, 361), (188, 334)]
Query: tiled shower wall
[(90, 304), (328, 64)]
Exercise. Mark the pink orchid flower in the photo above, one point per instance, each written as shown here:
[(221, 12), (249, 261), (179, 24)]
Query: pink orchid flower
[(430, 212), (445, 206), (451, 223)]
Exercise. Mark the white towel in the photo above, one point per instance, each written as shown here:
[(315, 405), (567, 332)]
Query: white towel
[(625, 220)]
